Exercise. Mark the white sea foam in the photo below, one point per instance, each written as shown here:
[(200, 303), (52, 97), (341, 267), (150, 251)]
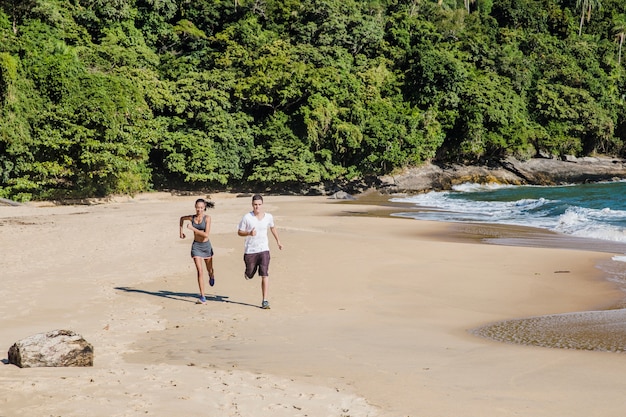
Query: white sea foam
[(619, 258), (469, 187), (464, 205), (592, 223)]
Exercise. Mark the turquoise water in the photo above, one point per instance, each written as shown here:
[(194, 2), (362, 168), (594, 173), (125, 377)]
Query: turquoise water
[(595, 211)]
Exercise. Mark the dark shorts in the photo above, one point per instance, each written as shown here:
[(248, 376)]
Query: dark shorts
[(260, 261), (202, 250)]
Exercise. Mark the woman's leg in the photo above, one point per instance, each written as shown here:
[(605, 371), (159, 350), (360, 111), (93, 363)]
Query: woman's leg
[(198, 262), (209, 268)]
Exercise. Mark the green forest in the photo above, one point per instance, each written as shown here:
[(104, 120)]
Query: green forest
[(101, 97)]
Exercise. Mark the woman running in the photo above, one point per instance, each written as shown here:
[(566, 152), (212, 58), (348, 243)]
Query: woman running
[(201, 249)]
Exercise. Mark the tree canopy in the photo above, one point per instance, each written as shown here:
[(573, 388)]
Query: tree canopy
[(120, 96)]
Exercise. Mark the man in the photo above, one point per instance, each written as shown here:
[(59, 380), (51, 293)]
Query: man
[(253, 226)]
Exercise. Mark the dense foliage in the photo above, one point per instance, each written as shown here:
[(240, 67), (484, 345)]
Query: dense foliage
[(120, 96)]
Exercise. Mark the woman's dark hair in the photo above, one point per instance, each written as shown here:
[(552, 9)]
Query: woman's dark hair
[(207, 204)]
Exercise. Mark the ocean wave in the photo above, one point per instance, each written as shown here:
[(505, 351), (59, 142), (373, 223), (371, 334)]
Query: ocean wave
[(558, 209), (470, 187), (592, 223)]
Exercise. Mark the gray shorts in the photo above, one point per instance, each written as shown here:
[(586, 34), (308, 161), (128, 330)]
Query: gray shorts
[(202, 250), (260, 261)]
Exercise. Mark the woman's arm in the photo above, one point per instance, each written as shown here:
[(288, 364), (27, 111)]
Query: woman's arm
[(182, 220), (202, 233)]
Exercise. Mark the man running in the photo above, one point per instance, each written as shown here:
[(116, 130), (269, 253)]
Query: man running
[(253, 226)]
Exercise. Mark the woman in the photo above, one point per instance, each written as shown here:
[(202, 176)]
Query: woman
[(201, 249)]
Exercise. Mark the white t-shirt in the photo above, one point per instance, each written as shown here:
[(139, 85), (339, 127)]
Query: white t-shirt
[(259, 242)]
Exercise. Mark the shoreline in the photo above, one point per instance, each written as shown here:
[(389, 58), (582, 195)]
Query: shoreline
[(370, 316), (597, 330), (489, 233)]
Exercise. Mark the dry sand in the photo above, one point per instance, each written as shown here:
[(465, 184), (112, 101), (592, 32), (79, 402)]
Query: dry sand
[(370, 316)]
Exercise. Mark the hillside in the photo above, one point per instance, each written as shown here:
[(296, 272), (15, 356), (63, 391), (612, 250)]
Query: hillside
[(122, 96)]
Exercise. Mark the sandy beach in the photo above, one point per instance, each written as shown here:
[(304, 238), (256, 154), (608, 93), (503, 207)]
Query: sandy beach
[(371, 316)]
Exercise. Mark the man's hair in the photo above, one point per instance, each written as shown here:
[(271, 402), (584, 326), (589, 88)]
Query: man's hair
[(257, 197)]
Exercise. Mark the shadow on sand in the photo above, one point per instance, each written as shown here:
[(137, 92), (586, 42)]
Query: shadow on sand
[(183, 296)]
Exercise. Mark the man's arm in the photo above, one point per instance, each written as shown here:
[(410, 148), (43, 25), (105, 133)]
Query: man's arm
[(243, 225), (275, 234)]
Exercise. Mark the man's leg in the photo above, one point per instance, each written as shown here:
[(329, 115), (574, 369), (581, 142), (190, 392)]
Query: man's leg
[(264, 268), (264, 287), (250, 261)]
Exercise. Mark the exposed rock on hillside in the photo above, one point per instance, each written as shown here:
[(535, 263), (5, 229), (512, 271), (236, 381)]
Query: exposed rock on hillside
[(537, 171)]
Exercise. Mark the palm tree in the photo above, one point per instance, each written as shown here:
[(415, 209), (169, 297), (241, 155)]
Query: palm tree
[(620, 34), (585, 9)]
